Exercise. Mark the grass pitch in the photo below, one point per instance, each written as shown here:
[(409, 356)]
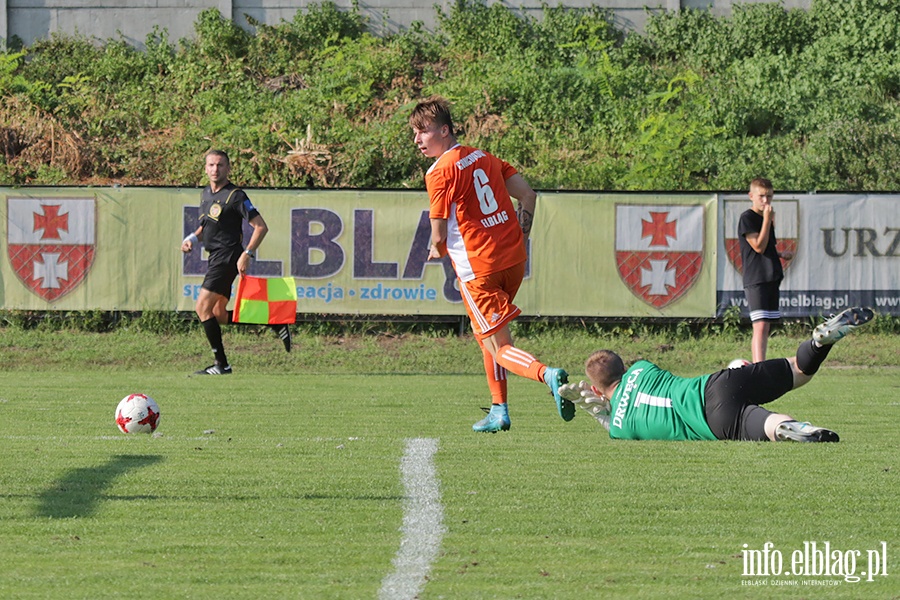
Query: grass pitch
[(287, 485)]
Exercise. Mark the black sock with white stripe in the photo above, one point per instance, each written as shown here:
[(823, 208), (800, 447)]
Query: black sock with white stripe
[(214, 335)]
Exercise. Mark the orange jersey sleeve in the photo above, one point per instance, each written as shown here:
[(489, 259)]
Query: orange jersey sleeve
[(467, 187)]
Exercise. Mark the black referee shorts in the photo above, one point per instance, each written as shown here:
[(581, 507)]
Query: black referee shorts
[(733, 397), (221, 270)]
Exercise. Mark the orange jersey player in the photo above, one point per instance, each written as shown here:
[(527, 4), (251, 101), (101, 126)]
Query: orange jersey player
[(473, 219), (482, 231)]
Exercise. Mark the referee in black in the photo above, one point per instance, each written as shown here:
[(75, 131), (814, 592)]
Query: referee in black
[(223, 208)]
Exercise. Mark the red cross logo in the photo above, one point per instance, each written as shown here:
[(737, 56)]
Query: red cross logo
[(659, 250), (51, 222), (50, 242), (658, 230)]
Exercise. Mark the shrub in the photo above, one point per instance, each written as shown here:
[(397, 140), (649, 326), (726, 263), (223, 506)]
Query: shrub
[(698, 102)]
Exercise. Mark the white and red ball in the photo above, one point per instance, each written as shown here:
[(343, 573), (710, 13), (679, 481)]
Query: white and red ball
[(738, 363), (137, 413)]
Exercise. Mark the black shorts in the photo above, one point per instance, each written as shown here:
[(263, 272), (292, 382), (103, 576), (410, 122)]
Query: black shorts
[(733, 397), (221, 270), (763, 300)]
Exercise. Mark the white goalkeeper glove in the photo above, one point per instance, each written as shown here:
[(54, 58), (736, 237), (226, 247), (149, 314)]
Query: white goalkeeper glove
[(582, 395), (571, 391)]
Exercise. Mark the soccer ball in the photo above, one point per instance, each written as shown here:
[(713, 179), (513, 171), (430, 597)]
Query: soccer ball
[(738, 363), (137, 413)]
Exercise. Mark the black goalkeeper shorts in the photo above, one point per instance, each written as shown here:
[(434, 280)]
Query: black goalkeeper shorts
[(733, 397)]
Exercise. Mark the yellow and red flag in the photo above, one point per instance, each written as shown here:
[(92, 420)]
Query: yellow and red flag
[(266, 300)]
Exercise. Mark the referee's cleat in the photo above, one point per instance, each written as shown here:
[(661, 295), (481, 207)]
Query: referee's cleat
[(794, 431), (841, 324), (284, 332), (215, 370), (555, 378), (496, 420)]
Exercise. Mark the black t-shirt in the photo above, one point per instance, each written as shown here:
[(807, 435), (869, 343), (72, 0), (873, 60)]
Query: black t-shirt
[(222, 215), (758, 268)]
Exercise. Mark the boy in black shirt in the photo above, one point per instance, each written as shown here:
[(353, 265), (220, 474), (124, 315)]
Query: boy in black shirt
[(762, 271)]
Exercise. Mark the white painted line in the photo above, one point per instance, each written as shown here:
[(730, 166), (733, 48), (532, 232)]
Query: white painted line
[(423, 518)]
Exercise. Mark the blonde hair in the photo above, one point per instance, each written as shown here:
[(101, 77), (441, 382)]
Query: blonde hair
[(604, 368)]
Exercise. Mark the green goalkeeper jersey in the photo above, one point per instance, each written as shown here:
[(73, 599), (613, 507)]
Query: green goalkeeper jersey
[(652, 404)]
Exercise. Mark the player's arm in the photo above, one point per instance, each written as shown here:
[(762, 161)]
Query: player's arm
[(759, 241), (260, 229), (519, 189), (753, 240), (187, 244), (438, 239)]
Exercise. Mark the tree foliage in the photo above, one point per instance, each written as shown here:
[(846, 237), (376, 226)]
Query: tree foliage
[(698, 102)]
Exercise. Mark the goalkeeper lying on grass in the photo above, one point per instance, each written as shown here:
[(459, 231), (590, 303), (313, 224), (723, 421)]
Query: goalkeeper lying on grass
[(649, 403)]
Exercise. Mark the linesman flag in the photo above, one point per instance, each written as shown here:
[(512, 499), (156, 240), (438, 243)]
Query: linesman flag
[(266, 300)]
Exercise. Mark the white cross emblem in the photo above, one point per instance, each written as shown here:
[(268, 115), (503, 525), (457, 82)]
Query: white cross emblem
[(51, 270), (658, 277)]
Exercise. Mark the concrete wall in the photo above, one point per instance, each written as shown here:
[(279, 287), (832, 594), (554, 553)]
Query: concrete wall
[(133, 20)]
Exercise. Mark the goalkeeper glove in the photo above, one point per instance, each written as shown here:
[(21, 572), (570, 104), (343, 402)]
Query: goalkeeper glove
[(582, 395)]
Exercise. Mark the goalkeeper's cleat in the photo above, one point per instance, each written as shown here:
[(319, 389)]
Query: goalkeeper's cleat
[(496, 420), (284, 332), (555, 379), (841, 324), (794, 431), (215, 369)]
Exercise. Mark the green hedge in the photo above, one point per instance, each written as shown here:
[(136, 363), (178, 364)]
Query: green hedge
[(806, 98)]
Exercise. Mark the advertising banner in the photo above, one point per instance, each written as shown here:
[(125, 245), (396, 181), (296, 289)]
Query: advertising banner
[(355, 252), (846, 253), (89, 248), (627, 255)]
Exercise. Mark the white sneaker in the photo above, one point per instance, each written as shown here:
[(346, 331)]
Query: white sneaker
[(841, 324), (794, 431)]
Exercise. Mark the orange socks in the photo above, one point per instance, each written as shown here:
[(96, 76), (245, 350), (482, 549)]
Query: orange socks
[(521, 363), (496, 378)]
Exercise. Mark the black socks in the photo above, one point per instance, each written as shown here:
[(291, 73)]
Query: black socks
[(810, 356), (214, 335)]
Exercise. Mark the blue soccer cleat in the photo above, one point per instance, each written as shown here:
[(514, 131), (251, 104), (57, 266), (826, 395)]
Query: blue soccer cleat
[(555, 378), (496, 420)]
